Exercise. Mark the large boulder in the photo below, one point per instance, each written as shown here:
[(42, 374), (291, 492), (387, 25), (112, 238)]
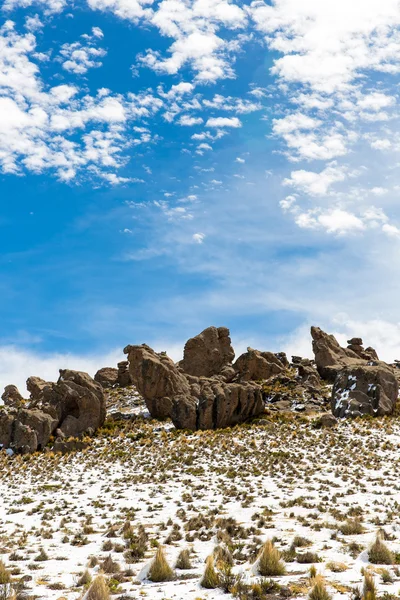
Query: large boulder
[(364, 390), (228, 404), (157, 379), (254, 365), (11, 396), (25, 430), (107, 377), (330, 357), (206, 354), (77, 402)]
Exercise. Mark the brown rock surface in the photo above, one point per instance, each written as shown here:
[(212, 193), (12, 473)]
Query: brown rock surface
[(255, 365), (207, 353), (364, 390), (330, 357), (107, 377), (11, 396)]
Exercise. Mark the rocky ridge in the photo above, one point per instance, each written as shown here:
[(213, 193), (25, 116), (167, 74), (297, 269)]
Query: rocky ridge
[(208, 389)]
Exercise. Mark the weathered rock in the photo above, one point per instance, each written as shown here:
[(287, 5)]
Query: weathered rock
[(309, 375), (283, 358), (11, 396), (330, 357), (107, 377), (24, 438), (77, 401), (124, 378), (225, 405), (41, 423), (191, 402), (206, 354), (364, 390), (6, 427), (326, 421), (157, 379), (25, 430), (355, 341), (254, 365), (356, 345), (215, 405), (36, 387)]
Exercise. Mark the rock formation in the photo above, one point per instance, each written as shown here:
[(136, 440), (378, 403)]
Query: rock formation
[(107, 377), (11, 397), (124, 378), (363, 385), (195, 402), (330, 357), (206, 354), (254, 365), (71, 407), (365, 390)]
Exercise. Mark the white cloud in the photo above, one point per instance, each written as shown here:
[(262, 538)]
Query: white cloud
[(190, 121), (223, 122), (327, 44), (316, 184), (199, 237), (79, 57)]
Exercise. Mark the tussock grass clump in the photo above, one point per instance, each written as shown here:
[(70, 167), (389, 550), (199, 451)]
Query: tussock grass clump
[(319, 591), (84, 579), (210, 579), (369, 588), (379, 553), (351, 527), (307, 558), (109, 565), (5, 575), (269, 562), (183, 562), (160, 569), (98, 590)]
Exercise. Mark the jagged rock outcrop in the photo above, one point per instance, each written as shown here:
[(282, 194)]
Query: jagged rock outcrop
[(255, 365), (107, 377), (25, 430), (356, 345), (330, 357), (216, 405), (191, 402), (36, 386), (11, 397), (365, 390), (72, 406), (157, 379), (206, 354), (77, 401)]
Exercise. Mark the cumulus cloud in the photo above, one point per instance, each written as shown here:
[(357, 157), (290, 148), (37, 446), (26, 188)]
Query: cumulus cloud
[(223, 122), (79, 57)]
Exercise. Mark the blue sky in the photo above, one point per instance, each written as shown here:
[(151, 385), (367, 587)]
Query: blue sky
[(166, 165)]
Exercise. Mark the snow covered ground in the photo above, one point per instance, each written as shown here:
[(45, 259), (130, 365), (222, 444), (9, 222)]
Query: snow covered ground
[(61, 515)]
